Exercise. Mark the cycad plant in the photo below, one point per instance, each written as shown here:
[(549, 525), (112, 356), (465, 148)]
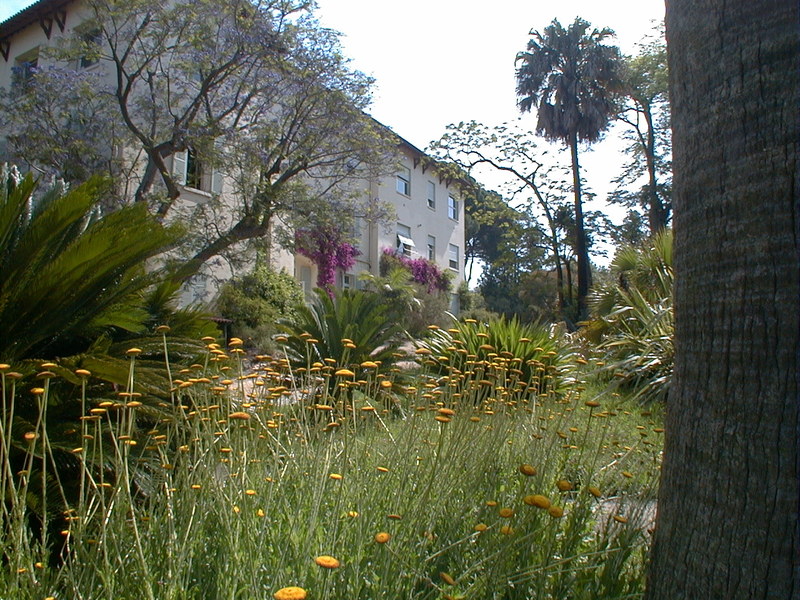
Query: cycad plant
[(633, 318), (73, 298), (343, 331)]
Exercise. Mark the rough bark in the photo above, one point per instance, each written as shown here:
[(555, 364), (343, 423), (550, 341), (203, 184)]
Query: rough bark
[(727, 525)]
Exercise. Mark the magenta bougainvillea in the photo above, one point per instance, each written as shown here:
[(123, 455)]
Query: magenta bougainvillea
[(325, 247), (423, 271)]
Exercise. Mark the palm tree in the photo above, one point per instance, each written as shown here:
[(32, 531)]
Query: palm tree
[(570, 77)]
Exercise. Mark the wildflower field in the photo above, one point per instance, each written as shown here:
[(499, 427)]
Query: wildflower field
[(457, 474)]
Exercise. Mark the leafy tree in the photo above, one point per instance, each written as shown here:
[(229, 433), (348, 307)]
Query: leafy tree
[(645, 111), (258, 92), (569, 76), (727, 523), (511, 152)]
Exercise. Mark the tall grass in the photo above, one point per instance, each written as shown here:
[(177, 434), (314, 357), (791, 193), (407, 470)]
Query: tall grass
[(481, 489)]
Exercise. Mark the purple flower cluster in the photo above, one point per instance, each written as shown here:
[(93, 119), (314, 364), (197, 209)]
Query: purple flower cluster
[(423, 271), (325, 247)]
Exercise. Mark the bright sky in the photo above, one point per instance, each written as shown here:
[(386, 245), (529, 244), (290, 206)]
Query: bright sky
[(438, 62)]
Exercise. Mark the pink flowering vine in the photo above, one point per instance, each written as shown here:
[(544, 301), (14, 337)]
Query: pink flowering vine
[(325, 247)]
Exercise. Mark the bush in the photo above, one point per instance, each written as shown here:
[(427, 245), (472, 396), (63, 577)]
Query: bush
[(633, 320), (343, 331), (528, 355), (256, 301), (416, 291)]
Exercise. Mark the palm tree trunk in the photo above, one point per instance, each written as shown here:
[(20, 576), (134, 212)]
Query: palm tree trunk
[(656, 215), (727, 523), (581, 249)]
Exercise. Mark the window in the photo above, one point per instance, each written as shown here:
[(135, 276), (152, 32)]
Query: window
[(431, 248), (194, 170), (347, 281), (189, 170), (25, 67), (404, 241), (431, 195), (404, 181), (91, 43), (452, 253), (452, 208)]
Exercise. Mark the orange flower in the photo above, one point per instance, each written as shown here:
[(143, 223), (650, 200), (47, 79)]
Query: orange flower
[(537, 500), (290, 593), (327, 562), (382, 537)]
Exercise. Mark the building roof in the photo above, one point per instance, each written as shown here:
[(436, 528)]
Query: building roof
[(27, 16)]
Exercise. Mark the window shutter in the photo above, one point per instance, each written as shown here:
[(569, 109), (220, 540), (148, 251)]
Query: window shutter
[(179, 166), (216, 182)]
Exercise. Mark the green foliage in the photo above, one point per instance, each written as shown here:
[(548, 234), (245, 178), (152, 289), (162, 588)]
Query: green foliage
[(75, 296), (260, 490), (352, 327), (633, 319), (539, 359), (68, 276), (256, 301), (411, 304)]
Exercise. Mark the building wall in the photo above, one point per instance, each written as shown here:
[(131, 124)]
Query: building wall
[(417, 217)]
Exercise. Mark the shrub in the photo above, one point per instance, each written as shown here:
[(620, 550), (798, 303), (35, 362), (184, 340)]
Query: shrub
[(415, 290), (256, 301), (347, 329), (633, 319), (521, 354)]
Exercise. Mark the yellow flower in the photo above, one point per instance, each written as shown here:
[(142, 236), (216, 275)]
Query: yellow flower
[(627, 474), (290, 593), (506, 513), (327, 562), (369, 364), (556, 512), (133, 351), (481, 527), (506, 530), (382, 537), (537, 500), (335, 476), (528, 470), (241, 416), (594, 491), (620, 519), (447, 578), (344, 373), (563, 485)]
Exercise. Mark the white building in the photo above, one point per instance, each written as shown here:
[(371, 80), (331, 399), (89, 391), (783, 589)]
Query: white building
[(428, 205)]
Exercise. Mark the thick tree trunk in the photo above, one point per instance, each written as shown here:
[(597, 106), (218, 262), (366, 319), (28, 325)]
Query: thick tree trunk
[(727, 525), (581, 247)]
